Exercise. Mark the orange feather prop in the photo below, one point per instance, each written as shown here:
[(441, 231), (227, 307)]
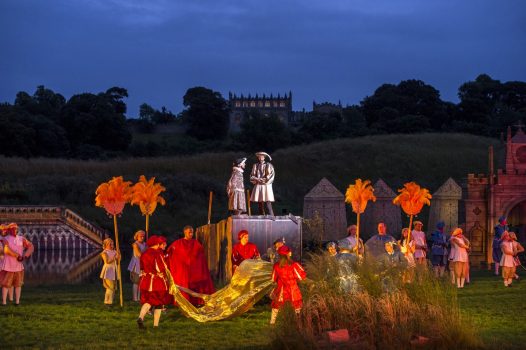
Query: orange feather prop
[(412, 198), (113, 195), (146, 193), (359, 194)]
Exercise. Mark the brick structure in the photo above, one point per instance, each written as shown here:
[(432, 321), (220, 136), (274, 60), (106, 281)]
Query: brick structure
[(265, 105), (489, 197)]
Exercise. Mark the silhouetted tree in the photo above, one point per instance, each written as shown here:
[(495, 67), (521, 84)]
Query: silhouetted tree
[(259, 132), (206, 115)]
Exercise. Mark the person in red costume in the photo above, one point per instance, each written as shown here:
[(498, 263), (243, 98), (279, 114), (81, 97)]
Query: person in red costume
[(153, 283), (189, 267), (286, 273), (243, 250)]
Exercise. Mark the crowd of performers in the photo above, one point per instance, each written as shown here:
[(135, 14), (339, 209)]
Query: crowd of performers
[(154, 265), (446, 251)]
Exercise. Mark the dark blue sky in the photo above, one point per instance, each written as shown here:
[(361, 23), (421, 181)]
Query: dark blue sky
[(323, 50)]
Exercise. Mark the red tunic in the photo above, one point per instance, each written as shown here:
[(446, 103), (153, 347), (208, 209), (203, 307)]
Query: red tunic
[(287, 288), (189, 268), (153, 283), (243, 252)]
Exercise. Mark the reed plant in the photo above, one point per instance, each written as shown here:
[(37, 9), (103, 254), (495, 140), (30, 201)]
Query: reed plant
[(382, 312)]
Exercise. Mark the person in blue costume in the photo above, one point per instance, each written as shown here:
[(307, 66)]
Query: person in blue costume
[(439, 249), (375, 246), (497, 252)]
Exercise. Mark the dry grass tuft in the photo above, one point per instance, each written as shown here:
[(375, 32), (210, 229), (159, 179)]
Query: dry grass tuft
[(376, 318)]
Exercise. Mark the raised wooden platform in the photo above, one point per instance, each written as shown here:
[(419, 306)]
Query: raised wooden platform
[(219, 238)]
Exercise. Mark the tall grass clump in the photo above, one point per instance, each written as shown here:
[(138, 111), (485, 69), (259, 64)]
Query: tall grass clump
[(379, 311)]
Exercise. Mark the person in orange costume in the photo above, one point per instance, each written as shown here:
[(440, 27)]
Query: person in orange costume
[(153, 284), (286, 273), (243, 250), (189, 267)]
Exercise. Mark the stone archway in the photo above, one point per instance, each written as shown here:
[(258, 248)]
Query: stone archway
[(516, 215)]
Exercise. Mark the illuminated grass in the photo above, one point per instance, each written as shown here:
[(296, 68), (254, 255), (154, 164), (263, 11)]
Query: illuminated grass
[(73, 317)]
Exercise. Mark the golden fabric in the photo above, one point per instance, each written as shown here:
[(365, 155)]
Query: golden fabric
[(252, 280)]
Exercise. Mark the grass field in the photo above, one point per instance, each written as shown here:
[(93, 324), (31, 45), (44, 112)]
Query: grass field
[(429, 159), (73, 317)]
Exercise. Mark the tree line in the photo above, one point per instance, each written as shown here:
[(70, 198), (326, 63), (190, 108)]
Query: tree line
[(95, 126)]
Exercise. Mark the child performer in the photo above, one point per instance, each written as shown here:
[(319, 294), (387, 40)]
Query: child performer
[(154, 280), (506, 261), (109, 270), (286, 272), (408, 249), (139, 246)]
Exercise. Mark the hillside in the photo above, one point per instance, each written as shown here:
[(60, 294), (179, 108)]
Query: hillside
[(428, 159)]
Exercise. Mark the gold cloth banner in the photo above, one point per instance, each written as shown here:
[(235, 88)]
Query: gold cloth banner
[(252, 280)]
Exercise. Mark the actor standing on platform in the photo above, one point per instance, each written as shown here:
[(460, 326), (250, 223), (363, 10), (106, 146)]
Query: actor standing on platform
[(243, 250), (236, 188), (16, 249), (419, 237), (189, 267), (139, 246), (496, 251), (262, 176), (286, 273), (154, 281)]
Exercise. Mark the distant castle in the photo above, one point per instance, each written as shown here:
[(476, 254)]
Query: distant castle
[(281, 106), (266, 105)]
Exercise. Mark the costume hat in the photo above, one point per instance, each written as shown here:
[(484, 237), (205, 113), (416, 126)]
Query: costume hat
[(284, 250), (264, 154), (239, 161), (441, 225), (456, 232), (152, 240), (241, 234)]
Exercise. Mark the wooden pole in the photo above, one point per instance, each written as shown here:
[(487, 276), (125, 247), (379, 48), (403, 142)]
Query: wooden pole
[(409, 233), (210, 207), (118, 260), (147, 225), (248, 200), (358, 234)]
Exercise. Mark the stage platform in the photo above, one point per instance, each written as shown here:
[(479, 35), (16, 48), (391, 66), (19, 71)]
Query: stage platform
[(219, 238)]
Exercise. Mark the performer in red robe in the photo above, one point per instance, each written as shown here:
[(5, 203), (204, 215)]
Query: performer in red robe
[(243, 250), (189, 267), (153, 283), (286, 273)]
